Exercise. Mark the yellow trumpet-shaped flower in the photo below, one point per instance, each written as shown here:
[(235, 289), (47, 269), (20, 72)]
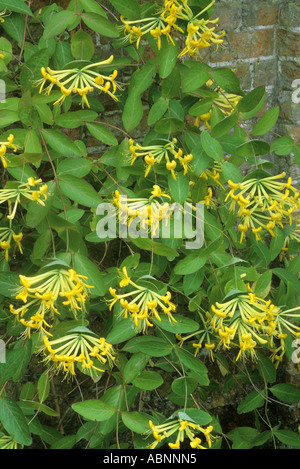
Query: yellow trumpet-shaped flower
[(80, 81), (42, 296), (141, 303), (3, 148), (78, 347), (246, 321), (148, 212), (7, 236), (156, 154), (263, 203), (181, 429), (13, 195)]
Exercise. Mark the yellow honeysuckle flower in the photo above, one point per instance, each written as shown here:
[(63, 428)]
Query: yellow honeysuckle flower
[(7, 235), (80, 81), (78, 347), (43, 294), (3, 147), (156, 154), (13, 195), (263, 203), (247, 320), (150, 211), (141, 303), (184, 429)]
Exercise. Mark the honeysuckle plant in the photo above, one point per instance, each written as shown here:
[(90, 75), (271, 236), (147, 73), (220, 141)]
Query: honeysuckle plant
[(100, 322)]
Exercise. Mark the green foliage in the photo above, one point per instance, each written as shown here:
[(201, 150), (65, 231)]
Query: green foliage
[(134, 317)]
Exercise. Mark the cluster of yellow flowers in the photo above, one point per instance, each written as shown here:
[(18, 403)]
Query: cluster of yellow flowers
[(43, 295), (263, 203), (225, 102), (80, 347), (245, 322), (184, 429), (3, 148), (80, 81), (200, 32), (12, 194), (148, 211), (155, 154), (141, 303)]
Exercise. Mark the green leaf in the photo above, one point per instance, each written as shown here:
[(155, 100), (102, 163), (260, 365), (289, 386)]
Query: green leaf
[(102, 133), (194, 78), (60, 142), (93, 6), (201, 107), (286, 392), (252, 401), (85, 266), (72, 120), (99, 24), (282, 146), (129, 8), (82, 45), (249, 102), (169, 125), (266, 368), (158, 110), (9, 284), (40, 407), (226, 78), (167, 58), (133, 111), (242, 437), (8, 117), (266, 122), (155, 246), (231, 172), (121, 332), (182, 325), (189, 264), (288, 437), (196, 415), (43, 386), (152, 346), (78, 167), (212, 147), (13, 420), (79, 190), (134, 366), (223, 126), (184, 385), (286, 276), (148, 380), (67, 442), (179, 189), (95, 410), (58, 23), (253, 147), (14, 26), (18, 6), (138, 422), (193, 364), (17, 360)]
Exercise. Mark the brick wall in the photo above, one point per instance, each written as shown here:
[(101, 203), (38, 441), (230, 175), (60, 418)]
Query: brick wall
[(262, 45)]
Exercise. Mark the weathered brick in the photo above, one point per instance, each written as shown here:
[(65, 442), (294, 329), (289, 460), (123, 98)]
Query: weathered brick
[(289, 14), (262, 13), (265, 72), (252, 43), (287, 43)]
